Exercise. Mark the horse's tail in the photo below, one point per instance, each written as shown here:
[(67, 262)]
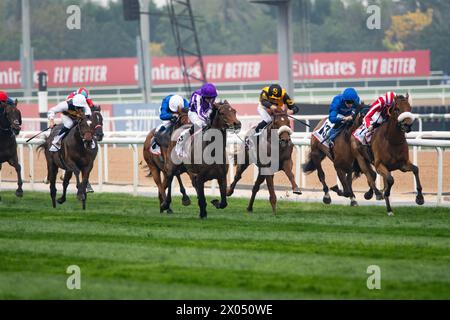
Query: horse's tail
[(356, 170), (41, 147), (309, 167)]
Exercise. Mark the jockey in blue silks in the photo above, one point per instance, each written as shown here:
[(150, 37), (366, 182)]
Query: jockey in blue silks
[(169, 111), (342, 109)]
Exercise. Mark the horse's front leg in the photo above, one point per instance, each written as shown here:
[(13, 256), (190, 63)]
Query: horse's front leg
[(287, 168), (272, 195), (222, 181), (52, 171), (200, 187), (388, 182), (14, 162), (82, 194), (415, 170), (66, 180), (240, 168)]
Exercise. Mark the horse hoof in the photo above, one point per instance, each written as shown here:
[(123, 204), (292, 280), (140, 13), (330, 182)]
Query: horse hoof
[(203, 216), (419, 200), (354, 203), (80, 197), (61, 200), (164, 206), (186, 201), (327, 199), (215, 203), (229, 192), (380, 197), (368, 195), (19, 193), (249, 209), (390, 213), (169, 211), (297, 191)]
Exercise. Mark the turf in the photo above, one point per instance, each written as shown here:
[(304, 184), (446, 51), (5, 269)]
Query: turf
[(127, 250)]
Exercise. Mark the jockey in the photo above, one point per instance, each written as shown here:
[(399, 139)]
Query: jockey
[(5, 98), (68, 109), (200, 109), (201, 104), (171, 106), (342, 109), (84, 92), (272, 95), (377, 113)]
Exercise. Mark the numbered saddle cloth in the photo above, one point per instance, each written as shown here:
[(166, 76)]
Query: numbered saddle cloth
[(363, 135), (322, 133)]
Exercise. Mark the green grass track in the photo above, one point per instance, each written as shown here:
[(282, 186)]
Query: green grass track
[(127, 250)]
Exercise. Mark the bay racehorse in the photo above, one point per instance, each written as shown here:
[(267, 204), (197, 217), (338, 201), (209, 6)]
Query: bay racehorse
[(280, 126), (158, 163), (206, 156), (10, 126), (77, 155), (341, 156), (389, 150)]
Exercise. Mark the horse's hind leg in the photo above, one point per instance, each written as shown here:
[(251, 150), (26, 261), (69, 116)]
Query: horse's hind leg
[(200, 187), (349, 181), (321, 174), (185, 201), (66, 180), (272, 195), (369, 194), (415, 170), (14, 162), (239, 171), (260, 179)]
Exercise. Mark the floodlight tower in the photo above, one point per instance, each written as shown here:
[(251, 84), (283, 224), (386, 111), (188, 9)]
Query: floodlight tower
[(285, 46)]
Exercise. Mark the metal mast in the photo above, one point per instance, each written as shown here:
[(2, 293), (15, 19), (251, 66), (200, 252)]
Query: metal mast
[(186, 42)]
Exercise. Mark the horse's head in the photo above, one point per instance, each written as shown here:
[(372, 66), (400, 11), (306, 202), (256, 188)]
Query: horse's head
[(13, 117), (97, 120), (86, 127), (281, 122), (183, 118), (225, 117), (401, 110)]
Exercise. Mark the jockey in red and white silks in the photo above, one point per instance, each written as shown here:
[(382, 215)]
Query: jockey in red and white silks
[(377, 114)]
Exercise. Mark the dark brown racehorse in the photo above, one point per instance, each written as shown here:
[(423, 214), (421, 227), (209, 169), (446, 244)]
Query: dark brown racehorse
[(389, 149), (280, 123), (342, 158), (10, 125), (75, 157), (212, 164), (157, 164)]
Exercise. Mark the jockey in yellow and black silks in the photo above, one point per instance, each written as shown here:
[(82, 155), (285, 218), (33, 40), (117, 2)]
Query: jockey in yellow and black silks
[(272, 96)]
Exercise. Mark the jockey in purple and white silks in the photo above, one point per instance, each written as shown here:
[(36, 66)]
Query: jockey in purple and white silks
[(201, 104), (200, 109)]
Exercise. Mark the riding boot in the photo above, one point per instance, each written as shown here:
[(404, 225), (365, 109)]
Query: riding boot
[(259, 127), (56, 143)]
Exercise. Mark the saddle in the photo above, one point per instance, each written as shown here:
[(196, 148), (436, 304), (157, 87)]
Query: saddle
[(163, 138)]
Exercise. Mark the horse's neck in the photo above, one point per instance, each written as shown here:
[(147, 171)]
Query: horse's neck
[(393, 132)]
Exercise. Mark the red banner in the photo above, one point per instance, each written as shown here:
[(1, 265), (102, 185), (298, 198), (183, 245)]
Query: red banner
[(220, 69)]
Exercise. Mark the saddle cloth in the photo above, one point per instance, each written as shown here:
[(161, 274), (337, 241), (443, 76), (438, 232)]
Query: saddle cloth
[(321, 134), (363, 135)]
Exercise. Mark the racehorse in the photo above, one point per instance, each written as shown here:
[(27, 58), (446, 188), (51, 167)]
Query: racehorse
[(157, 164), (10, 125), (389, 150), (281, 123), (222, 119), (75, 156), (342, 158)]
